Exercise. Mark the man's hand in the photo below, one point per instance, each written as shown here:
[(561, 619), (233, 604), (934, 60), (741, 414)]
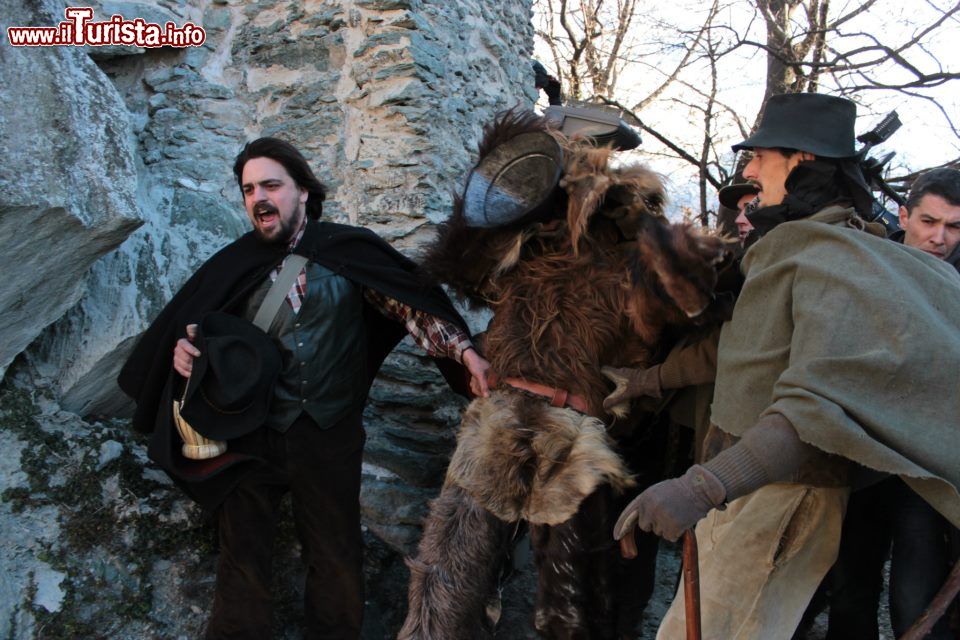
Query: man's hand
[(184, 352), (631, 383), (671, 507), (477, 367)]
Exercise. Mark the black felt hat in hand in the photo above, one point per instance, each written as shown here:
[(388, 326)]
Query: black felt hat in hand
[(231, 385), (812, 122)]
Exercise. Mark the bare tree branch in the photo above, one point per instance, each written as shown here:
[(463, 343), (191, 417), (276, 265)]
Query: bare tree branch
[(863, 8), (667, 142), (908, 178), (695, 63), (656, 93)]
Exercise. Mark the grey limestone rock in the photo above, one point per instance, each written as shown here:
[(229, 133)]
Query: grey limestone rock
[(67, 180)]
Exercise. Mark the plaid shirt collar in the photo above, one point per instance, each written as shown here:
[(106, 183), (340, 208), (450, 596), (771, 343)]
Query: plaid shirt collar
[(299, 288), (298, 236)]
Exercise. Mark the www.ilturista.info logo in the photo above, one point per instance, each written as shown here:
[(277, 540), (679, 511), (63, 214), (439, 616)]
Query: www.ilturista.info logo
[(79, 30)]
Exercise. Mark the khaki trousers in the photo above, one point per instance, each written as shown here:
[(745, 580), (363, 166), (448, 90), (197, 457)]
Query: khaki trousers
[(761, 560)]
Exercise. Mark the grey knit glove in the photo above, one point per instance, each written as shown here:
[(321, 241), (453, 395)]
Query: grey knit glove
[(770, 451), (671, 507)]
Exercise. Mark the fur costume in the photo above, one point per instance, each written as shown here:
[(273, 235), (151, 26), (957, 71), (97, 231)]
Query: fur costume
[(596, 284)]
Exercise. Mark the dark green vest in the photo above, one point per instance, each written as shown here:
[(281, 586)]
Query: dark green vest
[(323, 348)]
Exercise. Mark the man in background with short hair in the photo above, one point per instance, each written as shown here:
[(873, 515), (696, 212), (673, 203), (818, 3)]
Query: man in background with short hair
[(930, 221)]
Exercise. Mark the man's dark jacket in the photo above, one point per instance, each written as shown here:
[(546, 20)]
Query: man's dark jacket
[(954, 258), (223, 283)]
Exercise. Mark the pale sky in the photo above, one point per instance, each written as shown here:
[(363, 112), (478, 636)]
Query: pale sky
[(924, 140)]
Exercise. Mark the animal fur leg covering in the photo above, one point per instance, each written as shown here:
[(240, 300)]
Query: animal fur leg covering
[(522, 459), (576, 563), (455, 570)]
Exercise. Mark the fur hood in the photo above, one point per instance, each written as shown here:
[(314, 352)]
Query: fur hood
[(522, 459)]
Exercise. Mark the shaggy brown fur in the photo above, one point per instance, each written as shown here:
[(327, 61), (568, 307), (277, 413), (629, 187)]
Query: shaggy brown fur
[(520, 458), (460, 555), (598, 283), (577, 557), (634, 191)]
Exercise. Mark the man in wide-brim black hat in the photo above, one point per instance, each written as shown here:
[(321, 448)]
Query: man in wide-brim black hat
[(293, 420), (834, 360)]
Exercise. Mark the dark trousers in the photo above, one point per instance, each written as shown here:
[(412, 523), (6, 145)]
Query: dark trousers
[(321, 470), (884, 513)]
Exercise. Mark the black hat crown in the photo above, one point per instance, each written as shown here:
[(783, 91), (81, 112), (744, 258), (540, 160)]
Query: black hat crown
[(233, 374), (232, 382), (818, 124)]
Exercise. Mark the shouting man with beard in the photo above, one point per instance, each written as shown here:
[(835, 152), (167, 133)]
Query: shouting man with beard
[(351, 302)]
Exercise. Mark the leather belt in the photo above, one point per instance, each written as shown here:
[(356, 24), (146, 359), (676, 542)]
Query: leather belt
[(558, 397)]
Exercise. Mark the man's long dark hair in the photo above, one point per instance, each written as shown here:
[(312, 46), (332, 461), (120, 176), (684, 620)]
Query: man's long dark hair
[(811, 186), (293, 161)]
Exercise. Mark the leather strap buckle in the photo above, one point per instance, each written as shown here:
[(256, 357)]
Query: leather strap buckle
[(559, 398)]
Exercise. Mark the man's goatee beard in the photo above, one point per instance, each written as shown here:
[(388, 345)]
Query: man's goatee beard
[(283, 230), (282, 235)]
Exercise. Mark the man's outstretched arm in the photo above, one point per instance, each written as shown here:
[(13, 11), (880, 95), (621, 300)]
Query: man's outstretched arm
[(438, 337), (770, 451)]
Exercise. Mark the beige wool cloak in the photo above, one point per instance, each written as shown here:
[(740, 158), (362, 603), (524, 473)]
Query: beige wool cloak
[(856, 341)]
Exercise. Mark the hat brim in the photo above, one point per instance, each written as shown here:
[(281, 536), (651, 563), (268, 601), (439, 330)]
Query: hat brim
[(820, 149), (730, 195)]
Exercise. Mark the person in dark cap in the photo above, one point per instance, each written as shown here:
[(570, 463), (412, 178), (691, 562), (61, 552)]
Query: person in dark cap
[(291, 420), (736, 197), (833, 359)]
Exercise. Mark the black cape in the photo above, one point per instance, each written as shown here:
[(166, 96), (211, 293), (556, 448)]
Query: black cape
[(224, 283)]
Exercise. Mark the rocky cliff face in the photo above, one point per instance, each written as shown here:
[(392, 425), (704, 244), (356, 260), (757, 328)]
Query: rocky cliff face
[(115, 185), (67, 182)]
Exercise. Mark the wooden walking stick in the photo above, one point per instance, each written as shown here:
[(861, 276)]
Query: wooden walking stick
[(937, 607), (691, 584)]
